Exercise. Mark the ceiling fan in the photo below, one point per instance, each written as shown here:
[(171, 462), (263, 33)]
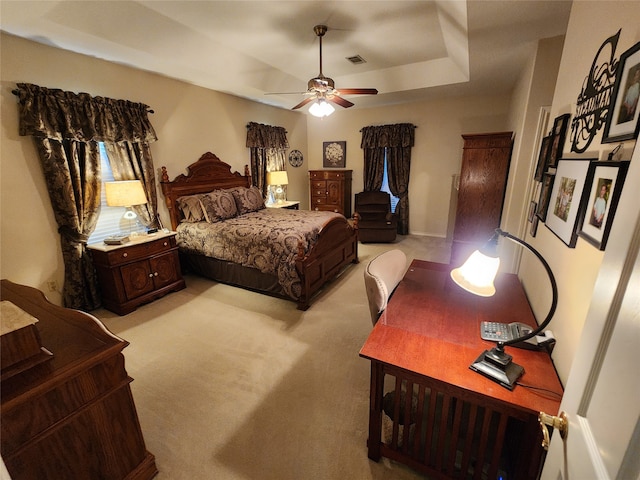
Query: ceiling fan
[(323, 89)]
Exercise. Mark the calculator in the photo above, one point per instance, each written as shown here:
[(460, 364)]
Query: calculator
[(503, 332)]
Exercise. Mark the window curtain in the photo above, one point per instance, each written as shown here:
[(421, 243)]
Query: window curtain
[(268, 146), (132, 161), (66, 128), (395, 141)]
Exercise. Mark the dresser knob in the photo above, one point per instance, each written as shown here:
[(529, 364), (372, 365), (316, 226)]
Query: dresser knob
[(151, 275), (125, 255), (155, 274), (165, 244)]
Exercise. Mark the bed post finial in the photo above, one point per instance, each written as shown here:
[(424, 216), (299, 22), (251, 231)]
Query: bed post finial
[(247, 173), (165, 175)]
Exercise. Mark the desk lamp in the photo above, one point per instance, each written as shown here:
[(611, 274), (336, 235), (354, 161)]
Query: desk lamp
[(126, 193), (476, 275), (278, 179)]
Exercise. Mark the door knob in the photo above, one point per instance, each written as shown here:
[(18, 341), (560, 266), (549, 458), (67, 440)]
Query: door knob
[(560, 423)]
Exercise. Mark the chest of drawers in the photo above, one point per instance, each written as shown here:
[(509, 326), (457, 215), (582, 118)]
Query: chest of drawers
[(331, 191)]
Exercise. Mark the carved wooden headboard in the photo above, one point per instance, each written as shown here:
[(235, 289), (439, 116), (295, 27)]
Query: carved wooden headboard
[(207, 174)]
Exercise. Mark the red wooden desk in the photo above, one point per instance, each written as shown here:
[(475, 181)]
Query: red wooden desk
[(460, 421)]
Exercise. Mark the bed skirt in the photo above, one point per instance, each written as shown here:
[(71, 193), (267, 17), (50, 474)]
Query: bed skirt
[(232, 273)]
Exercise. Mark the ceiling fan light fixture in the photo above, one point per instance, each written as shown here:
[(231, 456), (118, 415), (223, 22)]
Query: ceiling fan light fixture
[(321, 108)]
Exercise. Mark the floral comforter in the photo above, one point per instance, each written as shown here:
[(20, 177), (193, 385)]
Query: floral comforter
[(266, 239)]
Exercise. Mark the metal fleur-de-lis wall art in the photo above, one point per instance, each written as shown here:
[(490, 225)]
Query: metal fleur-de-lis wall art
[(595, 97)]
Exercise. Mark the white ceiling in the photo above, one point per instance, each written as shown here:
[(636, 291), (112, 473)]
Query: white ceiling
[(414, 50)]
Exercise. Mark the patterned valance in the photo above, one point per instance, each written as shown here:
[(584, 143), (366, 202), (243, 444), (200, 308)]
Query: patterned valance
[(397, 135), (266, 136), (60, 115)]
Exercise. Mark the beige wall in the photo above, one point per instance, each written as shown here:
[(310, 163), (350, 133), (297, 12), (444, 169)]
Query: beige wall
[(533, 90), (435, 156), (189, 121), (591, 23)]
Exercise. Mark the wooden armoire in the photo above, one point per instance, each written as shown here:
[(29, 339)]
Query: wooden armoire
[(483, 181)]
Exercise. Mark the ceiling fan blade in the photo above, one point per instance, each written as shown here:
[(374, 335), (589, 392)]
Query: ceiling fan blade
[(285, 93), (322, 87), (358, 91), (303, 103), (340, 101)]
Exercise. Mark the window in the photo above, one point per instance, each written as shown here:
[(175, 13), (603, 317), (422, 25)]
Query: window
[(109, 219), (385, 185)]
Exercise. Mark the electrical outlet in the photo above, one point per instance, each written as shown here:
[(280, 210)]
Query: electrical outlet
[(52, 286)]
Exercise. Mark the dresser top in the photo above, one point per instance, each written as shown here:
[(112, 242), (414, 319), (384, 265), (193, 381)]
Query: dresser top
[(134, 240)]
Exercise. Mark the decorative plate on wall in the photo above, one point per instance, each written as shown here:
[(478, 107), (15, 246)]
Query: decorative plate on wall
[(295, 158)]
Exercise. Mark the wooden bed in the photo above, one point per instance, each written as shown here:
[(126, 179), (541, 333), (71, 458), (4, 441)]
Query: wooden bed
[(335, 248)]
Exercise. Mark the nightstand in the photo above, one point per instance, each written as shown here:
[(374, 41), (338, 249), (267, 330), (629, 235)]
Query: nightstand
[(137, 272), (286, 204)]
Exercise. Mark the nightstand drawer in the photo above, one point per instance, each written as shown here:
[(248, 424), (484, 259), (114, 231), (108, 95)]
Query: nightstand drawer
[(130, 253)]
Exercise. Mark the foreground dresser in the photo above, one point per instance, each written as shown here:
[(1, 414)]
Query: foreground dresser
[(71, 416)]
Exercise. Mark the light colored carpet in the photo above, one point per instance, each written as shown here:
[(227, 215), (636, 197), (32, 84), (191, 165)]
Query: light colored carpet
[(231, 384)]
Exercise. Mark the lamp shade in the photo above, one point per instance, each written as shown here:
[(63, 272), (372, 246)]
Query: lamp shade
[(125, 193), (476, 275), (277, 178), (321, 108)]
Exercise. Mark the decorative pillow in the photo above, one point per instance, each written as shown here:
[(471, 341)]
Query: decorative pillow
[(218, 205), (248, 199), (191, 208)]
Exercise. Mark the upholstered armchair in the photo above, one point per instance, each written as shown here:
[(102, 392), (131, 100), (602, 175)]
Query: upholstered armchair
[(376, 223)]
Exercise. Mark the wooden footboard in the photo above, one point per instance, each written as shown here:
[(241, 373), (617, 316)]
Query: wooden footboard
[(337, 246)]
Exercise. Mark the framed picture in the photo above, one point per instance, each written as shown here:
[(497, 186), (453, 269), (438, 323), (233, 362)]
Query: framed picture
[(543, 158), (533, 206), (567, 200), (545, 192), (558, 134), (622, 118), (334, 154), (534, 226), (605, 181)]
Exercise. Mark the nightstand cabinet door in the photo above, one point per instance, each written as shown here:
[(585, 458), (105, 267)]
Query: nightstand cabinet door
[(137, 273), (331, 191), (137, 279), (164, 269)]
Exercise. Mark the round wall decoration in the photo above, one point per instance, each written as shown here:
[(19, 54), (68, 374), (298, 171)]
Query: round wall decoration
[(295, 158)]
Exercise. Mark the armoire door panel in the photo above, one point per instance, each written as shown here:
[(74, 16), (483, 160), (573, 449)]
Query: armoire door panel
[(483, 181)]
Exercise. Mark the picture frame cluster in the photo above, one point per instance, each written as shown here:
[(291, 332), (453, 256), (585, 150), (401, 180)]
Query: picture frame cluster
[(578, 197)]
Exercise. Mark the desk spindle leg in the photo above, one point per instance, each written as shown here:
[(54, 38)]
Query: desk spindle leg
[(375, 410)]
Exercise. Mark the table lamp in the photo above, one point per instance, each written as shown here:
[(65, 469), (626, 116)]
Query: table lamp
[(476, 275), (126, 193), (278, 179)]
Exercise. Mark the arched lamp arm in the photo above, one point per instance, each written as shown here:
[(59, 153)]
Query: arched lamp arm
[(554, 292)]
